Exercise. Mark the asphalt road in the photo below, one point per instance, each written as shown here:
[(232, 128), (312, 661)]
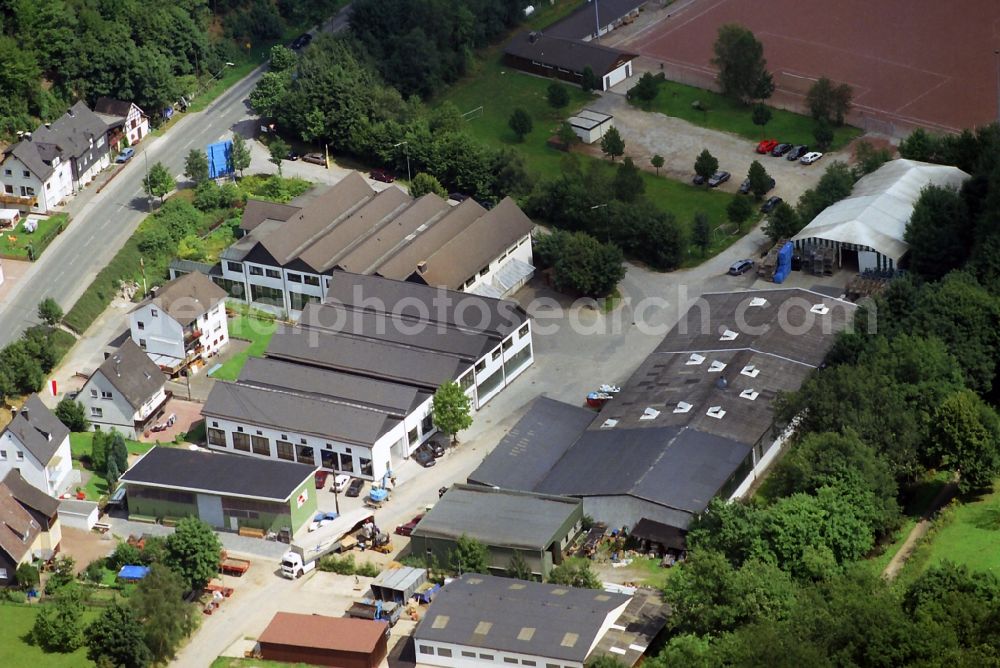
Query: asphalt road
[(103, 222)]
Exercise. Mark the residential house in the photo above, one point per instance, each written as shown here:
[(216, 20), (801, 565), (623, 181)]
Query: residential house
[(44, 509), (125, 393), (183, 322), (287, 255), (18, 534), (36, 444), (36, 175), (126, 122), (566, 59), (350, 387), (82, 136)]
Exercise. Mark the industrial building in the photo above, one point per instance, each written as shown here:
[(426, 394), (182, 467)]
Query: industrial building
[(224, 491), (350, 387), (867, 229), (538, 526), (485, 620), (693, 422), (324, 641)]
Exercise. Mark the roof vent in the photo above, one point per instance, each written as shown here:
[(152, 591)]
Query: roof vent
[(821, 309), (682, 407), (716, 412), (750, 370), (609, 423), (728, 335), (695, 359), (716, 366), (532, 37), (750, 394), (649, 414), (722, 383), (24, 412), (757, 301)]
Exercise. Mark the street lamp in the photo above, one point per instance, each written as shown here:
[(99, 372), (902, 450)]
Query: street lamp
[(607, 221), (996, 53), (407, 151), (597, 20), (149, 203)]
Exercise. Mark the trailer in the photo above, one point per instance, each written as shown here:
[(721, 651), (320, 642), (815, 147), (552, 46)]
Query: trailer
[(233, 565), (375, 610), (306, 551)]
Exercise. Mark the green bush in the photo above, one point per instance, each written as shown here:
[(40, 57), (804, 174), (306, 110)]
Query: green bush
[(47, 236), (340, 565), (367, 569)]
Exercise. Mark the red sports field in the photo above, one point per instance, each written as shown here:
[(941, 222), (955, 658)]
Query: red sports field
[(911, 62)]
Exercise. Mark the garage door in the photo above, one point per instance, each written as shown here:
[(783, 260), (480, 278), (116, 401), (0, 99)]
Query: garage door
[(210, 510)]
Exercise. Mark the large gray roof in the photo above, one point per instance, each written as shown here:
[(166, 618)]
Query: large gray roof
[(218, 473), (498, 517), (568, 54), (76, 131), (36, 156), (132, 373), (30, 496), (520, 461), (38, 429), (582, 23), (297, 412), (502, 614)]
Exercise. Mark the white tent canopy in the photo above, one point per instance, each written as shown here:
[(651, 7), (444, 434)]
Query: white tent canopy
[(876, 213)]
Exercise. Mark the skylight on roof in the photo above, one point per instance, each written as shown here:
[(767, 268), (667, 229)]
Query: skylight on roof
[(440, 621), (695, 359), (609, 423), (569, 640), (716, 366), (716, 412), (559, 592), (483, 628), (682, 407), (649, 414), (821, 309), (728, 335), (750, 394), (757, 301), (516, 585), (526, 633), (750, 370)]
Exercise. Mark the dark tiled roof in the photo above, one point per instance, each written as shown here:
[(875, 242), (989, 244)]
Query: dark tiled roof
[(30, 496), (17, 528), (187, 297), (133, 374), (257, 211), (218, 473), (38, 429), (569, 54), (76, 131), (582, 23), (112, 107), (36, 156)]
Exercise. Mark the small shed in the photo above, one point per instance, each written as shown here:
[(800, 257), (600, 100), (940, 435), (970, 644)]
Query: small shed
[(325, 641), (132, 573), (590, 125), (78, 514), (9, 218), (398, 584)]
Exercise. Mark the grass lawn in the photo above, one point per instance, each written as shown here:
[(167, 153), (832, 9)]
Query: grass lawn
[(80, 445), (230, 662), (257, 332), (14, 243), (675, 99), (15, 622), (966, 532), (500, 90)]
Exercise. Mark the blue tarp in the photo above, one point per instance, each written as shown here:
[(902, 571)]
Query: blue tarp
[(220, 159), (784, 263), (133, 573)]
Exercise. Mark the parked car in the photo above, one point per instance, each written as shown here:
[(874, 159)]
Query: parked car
[(315, 158), (292, 155), (766, 146), (302, 41), (458, 197), (797, 152), (321, 477), (354, 489), (698, 180), (740, 267), (718, 179), (745, 186), (340, 483), (125, 155), (407, 529), (424, 457), (769, 205), (780, 150), (381, 175), (434, 447), (810, 158)]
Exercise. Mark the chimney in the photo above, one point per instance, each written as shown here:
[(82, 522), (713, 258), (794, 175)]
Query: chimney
[(422, 266), (24, 412), (48, 126)]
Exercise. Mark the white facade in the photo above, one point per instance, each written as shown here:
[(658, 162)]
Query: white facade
[(159, 334), (617, 75), (521, 250), (95, 168), (106, 408), (78, 514), (498, 368), (590, 126), (20, 182), (52, 477), (136, 125)]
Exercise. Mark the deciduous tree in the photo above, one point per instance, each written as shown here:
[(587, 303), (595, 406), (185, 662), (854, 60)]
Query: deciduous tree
[(58, 626), (829, 102), (159, 181), (965, 434), (115, 638), (760, 180), (656, 161), (469, 556), (196, 166), (939, 233), (49, 311), (589, 81), (557, 95), (823, 134), (701, 232), (521, 124), (518, 567), (424, 183), (782, 223), (645, 90), (706, 164), (628, 183), (566, 135), (282, 58), (158, 603), (743, 74), (71, 413), (739, 211), (241, 154), (575, 574), (761, 115), (612, 144), (451, 410), (193, 552), (278, 151)]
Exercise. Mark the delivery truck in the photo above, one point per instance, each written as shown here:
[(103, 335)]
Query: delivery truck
[(305, 552)]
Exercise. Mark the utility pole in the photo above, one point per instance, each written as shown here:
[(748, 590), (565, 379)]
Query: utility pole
[(597, 20), (996, 53), (406, 150), (149, 203)]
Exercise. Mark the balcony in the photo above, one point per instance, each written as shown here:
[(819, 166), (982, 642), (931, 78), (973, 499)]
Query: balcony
[(191, 335)]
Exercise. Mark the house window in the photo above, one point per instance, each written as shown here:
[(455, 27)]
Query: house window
[(468, 655), (480, 365), (241, 442), (526, 662), (261, 445), (26, 174), (234, 267), (285, 451), (153, 312), (426, 649), (256, 271), (427, 424), (302, 441), (505, 346), (466, 381), (444, 651), (93, 392), (105, 395), (346, 463), (9, 189), (311, 280), (469, 282), (96, 412), (272, 273), (294, 278), (509, 659), (366, 466), (214, 423), (411, 436), (141, 325), (485, 270), (486, 657), (496, 354), (523, 331), (142, 343), (3, 573), (304, 454), (8, 172), (217, 437), (3, 455)]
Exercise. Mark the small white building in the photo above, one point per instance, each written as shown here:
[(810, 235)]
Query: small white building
[(125, 393), (590, 125), (126, 121), (183, 322), (36, 444), (78, 514)]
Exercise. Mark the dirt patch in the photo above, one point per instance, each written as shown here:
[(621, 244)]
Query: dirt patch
[(186, 414), (85, 546)]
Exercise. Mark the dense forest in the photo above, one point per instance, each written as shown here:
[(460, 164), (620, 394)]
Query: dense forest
[(781, 580), (54, 52)]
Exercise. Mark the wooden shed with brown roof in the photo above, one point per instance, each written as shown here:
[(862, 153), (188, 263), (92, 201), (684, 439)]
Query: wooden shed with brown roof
[(325, 641)]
